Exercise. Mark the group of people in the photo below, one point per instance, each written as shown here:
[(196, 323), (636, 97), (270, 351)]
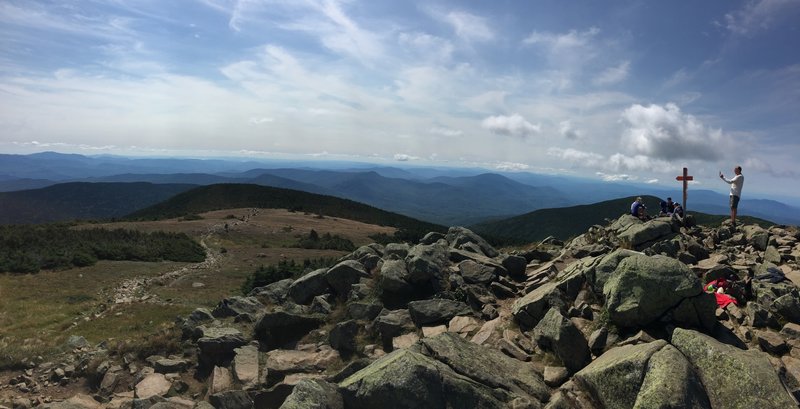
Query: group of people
[(668, 209), (674, 209)]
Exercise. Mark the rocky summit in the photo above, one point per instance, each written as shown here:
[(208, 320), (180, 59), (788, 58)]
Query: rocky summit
[(630, 315)]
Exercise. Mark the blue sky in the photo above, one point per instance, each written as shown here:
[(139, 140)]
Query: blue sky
[(613, 90)]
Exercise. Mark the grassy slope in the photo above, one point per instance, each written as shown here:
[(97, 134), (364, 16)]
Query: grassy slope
[(567, 222)]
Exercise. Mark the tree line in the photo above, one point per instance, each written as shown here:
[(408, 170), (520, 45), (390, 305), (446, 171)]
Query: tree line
[(31, 248)]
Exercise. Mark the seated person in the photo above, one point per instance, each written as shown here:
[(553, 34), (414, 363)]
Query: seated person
[(678, 211), (638, 209), (663, 211), (670, 206)]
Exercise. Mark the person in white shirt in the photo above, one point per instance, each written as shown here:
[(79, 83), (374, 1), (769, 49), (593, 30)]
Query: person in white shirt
[(736, 191)]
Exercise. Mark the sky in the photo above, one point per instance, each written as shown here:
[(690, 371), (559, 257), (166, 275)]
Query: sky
[(610, 90)]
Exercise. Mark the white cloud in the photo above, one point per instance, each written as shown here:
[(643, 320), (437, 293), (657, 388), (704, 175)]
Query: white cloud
[(664, 132), (402, 157), (566, 130), (615, 177), (651, 181), (445, 131), (758, 15), (620, 162), (468, 26), (511, 166), (514, 125), (613, 75)]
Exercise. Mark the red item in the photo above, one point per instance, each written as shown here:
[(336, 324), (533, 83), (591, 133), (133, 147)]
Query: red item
[(724, 299)]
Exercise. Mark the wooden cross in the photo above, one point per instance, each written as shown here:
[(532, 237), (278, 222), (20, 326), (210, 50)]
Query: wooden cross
[(685, 178)]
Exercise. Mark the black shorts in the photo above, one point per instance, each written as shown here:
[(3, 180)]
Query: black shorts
[(734, 202)]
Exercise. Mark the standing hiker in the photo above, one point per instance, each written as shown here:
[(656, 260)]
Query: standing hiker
[(736, 191)]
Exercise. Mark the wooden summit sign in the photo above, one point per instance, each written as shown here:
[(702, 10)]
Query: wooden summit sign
[(685, 178)]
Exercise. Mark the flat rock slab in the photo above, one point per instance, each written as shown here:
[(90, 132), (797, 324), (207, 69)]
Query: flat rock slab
[(154, 384)]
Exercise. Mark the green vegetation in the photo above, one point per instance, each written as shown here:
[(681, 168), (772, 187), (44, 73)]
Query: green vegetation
[(31, 248), (233, 196), (266, 275), (326, 242)]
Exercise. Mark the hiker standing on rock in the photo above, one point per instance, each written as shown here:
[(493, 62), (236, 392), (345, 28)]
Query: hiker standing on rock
[(736, 191)]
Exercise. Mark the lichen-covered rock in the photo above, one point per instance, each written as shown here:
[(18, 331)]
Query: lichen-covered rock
[(314, 394), (734, 378), (639, 234), (615, 378), (234, 306), (457, 237), (643, 288), (444, 371), (216, 345), (670, 382)]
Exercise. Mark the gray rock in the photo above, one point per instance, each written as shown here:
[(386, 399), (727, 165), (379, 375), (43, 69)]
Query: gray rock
[(343, 336), (771, 255), (559, 293), (393, 323), (614, 378), (457, 237), (305, 288), (395, 277), (320, 305), (476, 273), (597, 341), (757, 236), (275, 293), (360, 310), (314, 394), (555, 375), (436, 311), (431, 238), (398, 250), (231, 400), (426, 262), (696, 312), (606, 267), (558, 334), (771, 342), (166, 365), (278, 329), (343, 275), (216, 345), (643, 288), (788, 307), (446, 371), (639, 234), (515, 265), (735, 378), (670, 382), (234, 306), (76, 341)]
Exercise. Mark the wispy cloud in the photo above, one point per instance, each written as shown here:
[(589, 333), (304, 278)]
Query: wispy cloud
[(402, 157), (512, 167), (613, 75), (759, 15), (467, 26), (615, 177)]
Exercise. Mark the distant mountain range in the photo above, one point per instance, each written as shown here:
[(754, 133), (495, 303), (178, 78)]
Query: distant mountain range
[(445, 196)]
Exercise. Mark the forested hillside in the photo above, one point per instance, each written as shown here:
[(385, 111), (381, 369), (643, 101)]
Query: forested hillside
[(30, 248)]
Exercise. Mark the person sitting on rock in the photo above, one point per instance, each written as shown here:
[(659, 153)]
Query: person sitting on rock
[(677, 211), (638, 209), (663, 211)]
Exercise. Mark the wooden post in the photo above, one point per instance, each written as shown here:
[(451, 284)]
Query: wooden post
[(685, 178)]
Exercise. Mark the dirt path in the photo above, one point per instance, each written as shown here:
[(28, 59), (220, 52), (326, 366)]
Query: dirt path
[(137, 289)]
